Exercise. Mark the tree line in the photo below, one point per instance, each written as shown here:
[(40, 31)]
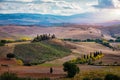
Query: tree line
[(92, 40), (43, 37), (2, 42), (100, 41), (89, 58)]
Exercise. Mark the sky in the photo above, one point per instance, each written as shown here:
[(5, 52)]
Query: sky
[(102, 9)]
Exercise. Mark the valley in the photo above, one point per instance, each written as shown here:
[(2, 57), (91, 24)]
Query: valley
[(34, 59), (78, 49), (59, 39)]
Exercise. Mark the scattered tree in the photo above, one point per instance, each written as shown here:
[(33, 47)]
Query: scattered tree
[(71, 69), (111, 77), (3, 41), (51, 70), (10, 55), (53, 36), (43, 37)]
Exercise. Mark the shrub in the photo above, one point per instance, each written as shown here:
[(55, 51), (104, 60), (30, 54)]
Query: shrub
[(44, 79), (97, 79), (71, 69), (19, 62), (3, 41), (27, 64), (86, 78), (2, 44), (8, 76), (90, 62), (12, 76), (100, 62), (115, 63), (10, 55), (112, 77)]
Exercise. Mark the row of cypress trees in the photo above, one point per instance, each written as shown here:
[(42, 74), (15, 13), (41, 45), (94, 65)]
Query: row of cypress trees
[(43, 37)]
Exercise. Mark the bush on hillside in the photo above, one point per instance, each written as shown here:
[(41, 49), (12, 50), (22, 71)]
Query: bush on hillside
[(3, 42), (43, 37), (97, 79), (71, 69), (86, 78), (19, 62), (13, 76), (10, 55), (8, 76), (112, 77), (117, 39)]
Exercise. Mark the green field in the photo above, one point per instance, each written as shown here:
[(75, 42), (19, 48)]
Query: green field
[(96, 74), (40, 52)]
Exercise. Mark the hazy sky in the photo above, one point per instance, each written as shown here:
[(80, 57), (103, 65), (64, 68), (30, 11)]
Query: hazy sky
[(101, 8)]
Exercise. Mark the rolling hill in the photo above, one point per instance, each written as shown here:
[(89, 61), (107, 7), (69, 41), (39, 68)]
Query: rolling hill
[(113, 30), (111, 23), (40, 52), (75, 26), (66, 31), (27, 19)]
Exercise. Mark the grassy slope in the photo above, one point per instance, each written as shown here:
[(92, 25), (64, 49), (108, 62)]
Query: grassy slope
[(40, 52), (100, 73), (82, 48), (5, 50)]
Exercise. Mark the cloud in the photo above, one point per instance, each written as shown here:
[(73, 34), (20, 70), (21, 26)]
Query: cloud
[(56, 7), (108, 4), (116, 3), (17, 0), (103, 9)]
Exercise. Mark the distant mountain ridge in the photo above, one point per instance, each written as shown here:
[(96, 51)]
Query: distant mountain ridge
[(67, 31), (76, 26), (24, 19), (30, 19), (111, 23)]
